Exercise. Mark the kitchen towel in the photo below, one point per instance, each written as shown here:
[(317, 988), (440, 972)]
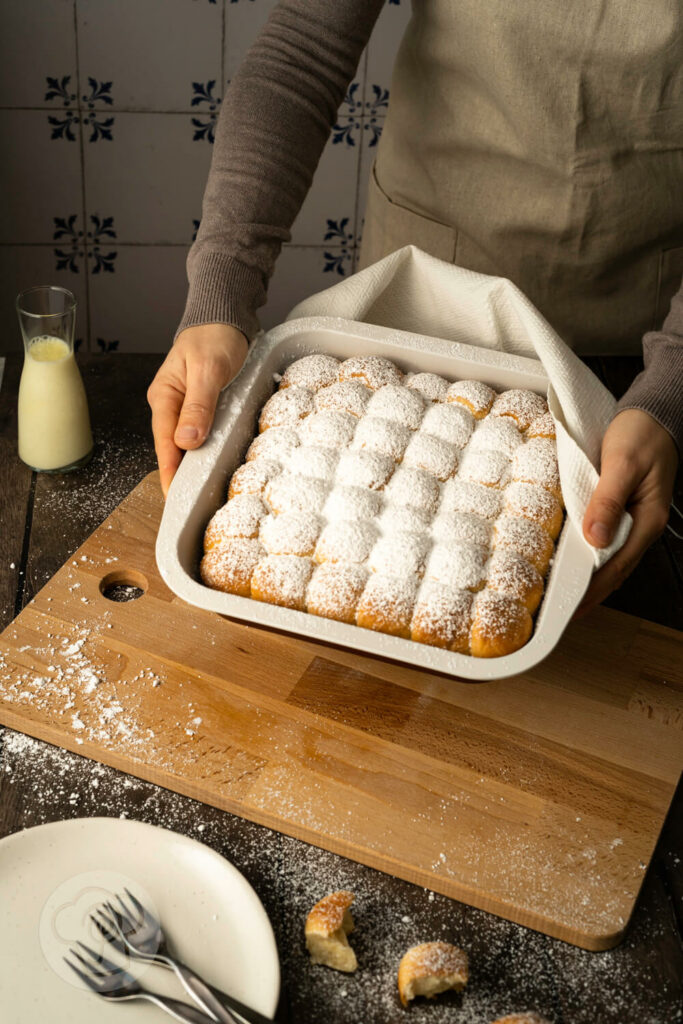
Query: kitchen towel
[(410, 290)]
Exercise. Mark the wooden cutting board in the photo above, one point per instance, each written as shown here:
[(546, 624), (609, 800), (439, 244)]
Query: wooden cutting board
[(539, 798)]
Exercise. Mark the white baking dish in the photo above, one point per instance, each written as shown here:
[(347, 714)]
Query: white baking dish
[(200, 487)]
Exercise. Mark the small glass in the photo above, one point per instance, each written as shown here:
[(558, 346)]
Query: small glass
[(54, 423)]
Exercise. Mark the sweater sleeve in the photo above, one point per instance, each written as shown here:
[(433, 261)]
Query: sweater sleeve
[(658, 390), (274, 122)]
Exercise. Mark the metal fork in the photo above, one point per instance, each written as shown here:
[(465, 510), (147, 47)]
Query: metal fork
[(109, 980), (139, 933)]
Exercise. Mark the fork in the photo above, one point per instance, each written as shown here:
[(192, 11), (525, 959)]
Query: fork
[(140, 934), (109, 980)]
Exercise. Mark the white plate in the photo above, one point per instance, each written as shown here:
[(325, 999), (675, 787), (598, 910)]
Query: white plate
[(52, 876), (200, 486)]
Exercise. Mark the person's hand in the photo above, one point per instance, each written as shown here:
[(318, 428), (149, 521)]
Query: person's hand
[(184, 393), (637, 471)]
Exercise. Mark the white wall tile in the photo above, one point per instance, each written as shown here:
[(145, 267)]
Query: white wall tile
[(37, 40), (21, 267), (150, 51), (141, 302), (150, 177), (301, 272), (40, 177), (383, 46)]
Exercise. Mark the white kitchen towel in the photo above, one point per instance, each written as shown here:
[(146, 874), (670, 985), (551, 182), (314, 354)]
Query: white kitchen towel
[(410, 290)]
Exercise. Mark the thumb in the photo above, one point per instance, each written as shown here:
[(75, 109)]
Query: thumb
[(199, 405), (618, 480)]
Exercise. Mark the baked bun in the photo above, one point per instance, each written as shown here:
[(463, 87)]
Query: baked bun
[(430, 968), (443, 617), (542, 426), (293, 533), (373, 371), (533, 502), (500, 625), (239, 517), (229, 566), (386, 604), (474, 396), (335, 589), (521, 1018), (312, 372), (252, 477), (282, 579), (285, 408), (344, 396), (521, 405), (275, 444), (432, 387), (327, 926)]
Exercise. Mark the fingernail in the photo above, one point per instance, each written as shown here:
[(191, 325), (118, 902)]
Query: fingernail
[(187, 434), (601, 534)]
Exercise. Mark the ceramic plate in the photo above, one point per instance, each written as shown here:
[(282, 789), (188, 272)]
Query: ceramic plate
[(52, 876)]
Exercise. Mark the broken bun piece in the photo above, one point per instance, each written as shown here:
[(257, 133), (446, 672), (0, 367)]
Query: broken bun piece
[(327, 926), (430, 968)]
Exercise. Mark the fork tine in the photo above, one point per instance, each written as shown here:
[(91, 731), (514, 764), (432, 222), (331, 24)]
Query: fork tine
[(101, 960), (128, 915), (88, 966), (105, 929), (138, 906), (84, 977)]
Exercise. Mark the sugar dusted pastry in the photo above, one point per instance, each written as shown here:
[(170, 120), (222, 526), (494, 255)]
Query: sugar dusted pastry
[(312, 372), (292, 533), (327, 926), (386, 604), (373, 371), (274, 444), (252, 477), (346, 541), (500, 625), (533, 502), (443, 617), (474, 396), (451, 423), (384, 436), (432, 387), (364, 468), (431, 454), (406, 505), (229, 567), (542, 426), (289, 493), (335, 589), (398, 404), (430, 968), (510, 574), (413, 487), (285, 408), (344, 396), (520, 405), (282, 579), (328, 428), (240, 517), (536, 463)]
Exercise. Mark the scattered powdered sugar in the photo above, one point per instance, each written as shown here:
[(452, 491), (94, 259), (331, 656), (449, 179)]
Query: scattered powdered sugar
[(525, 537), (252, 477), (374, 371), (452, 423), (462, 566), (473, 394), (536, 463), (239, 517), (281, 579), (229, 565), (413, 487), (404, 519), (387, 604), (542, 426), (307, 460), (292, 533), (346, 541), (399, 554), (335, 589), (497, 434), (352, 503), (485, 467), (289, 493), (461, 526), (381, 435), (275, 443), (475, 499)]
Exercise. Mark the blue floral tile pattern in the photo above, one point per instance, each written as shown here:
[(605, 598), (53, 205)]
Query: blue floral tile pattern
[(373, 126), (107, 346), (65, 127), (103, 229), (204, 94), (380, 102), (338, 261), (68, 234)]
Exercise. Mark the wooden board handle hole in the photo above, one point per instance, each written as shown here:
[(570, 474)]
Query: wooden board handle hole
[(123, 585)]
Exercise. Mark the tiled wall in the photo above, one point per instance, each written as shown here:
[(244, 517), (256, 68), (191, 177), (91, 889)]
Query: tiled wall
[(107, 114)]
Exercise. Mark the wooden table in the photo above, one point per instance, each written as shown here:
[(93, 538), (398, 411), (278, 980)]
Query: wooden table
[(44, 519)]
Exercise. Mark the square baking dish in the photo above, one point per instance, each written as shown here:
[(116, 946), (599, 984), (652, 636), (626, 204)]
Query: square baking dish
[(200, 487)]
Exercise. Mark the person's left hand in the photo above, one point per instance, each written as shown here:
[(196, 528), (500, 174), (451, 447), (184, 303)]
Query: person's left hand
[(637, 472)]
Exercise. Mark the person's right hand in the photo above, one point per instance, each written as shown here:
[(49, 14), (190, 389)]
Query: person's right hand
[(184, 393)]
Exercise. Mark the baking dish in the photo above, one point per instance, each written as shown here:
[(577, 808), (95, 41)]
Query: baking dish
[(200, 487)]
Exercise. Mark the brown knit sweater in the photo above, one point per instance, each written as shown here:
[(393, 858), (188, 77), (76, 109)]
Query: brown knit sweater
[(274, 123)]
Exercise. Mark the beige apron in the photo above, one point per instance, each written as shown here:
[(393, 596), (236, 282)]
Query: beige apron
[(542, 142)]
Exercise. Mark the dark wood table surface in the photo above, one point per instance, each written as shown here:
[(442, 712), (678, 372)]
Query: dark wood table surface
[(45, 518)]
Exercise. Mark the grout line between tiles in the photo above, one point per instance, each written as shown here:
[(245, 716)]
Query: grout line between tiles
[(86, 270)]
